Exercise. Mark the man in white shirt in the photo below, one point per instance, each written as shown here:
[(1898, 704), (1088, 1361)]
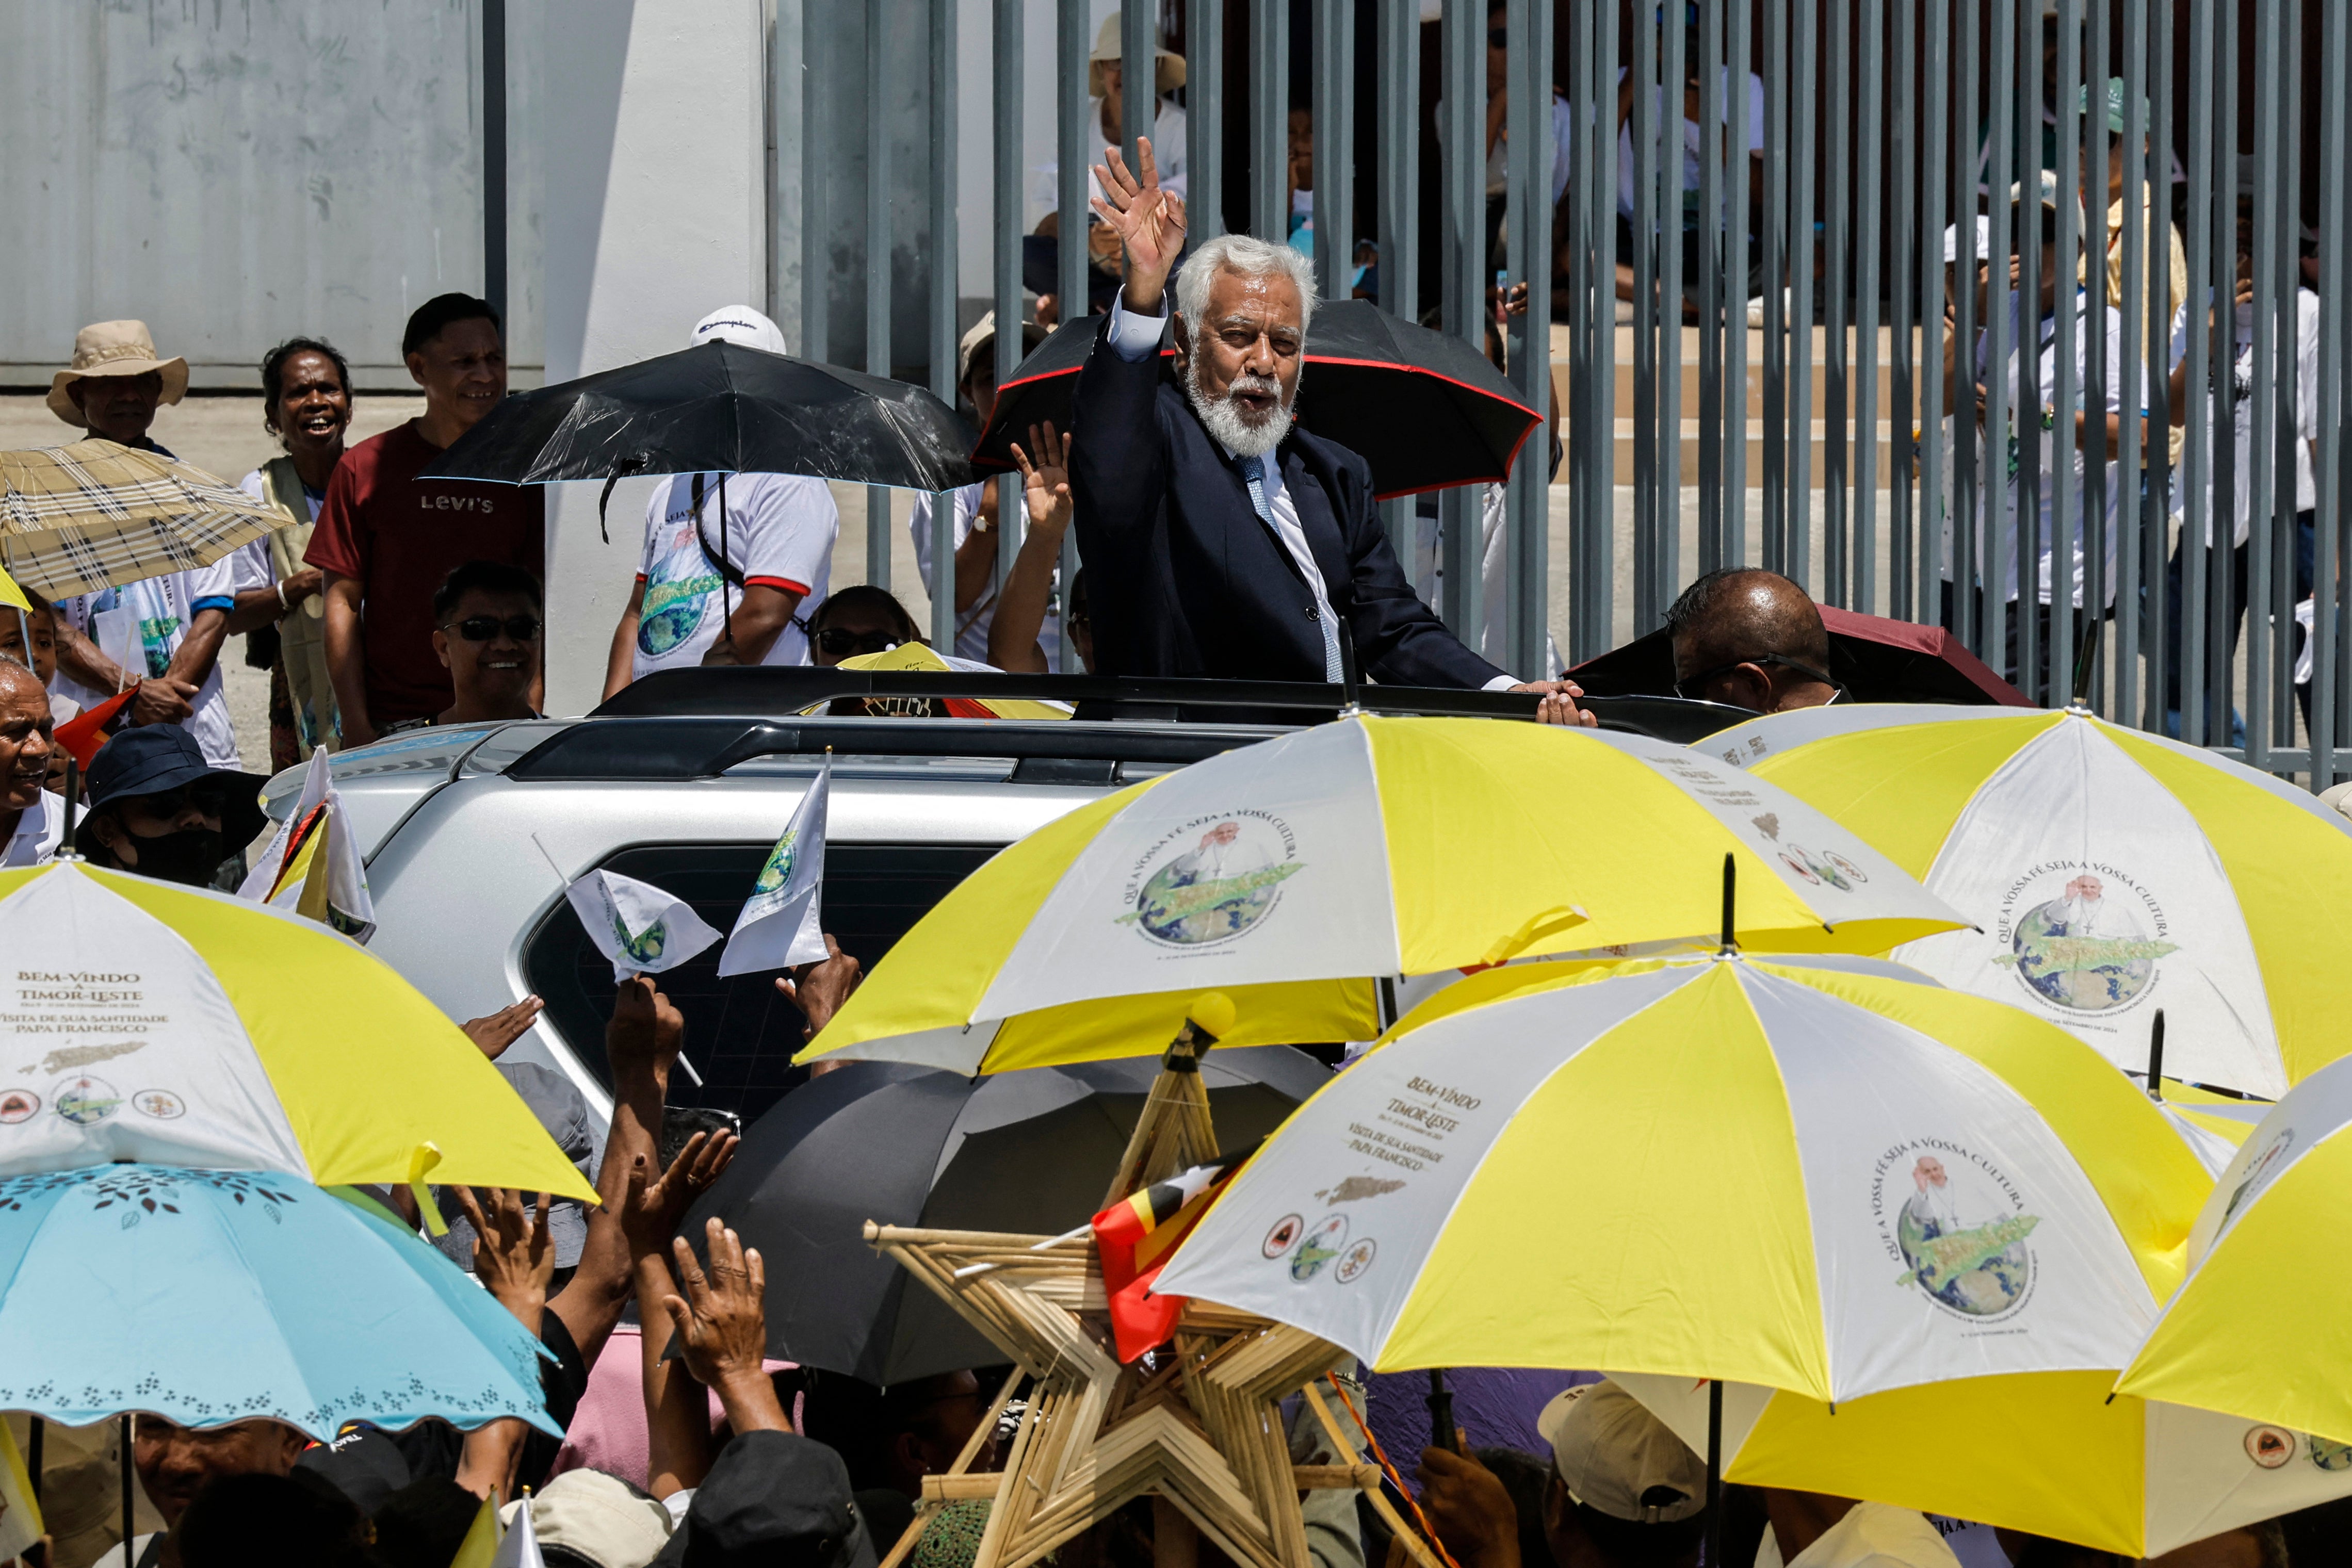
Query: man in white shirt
[(1220, 541), (31, 819), (733, 564), (173, 627)]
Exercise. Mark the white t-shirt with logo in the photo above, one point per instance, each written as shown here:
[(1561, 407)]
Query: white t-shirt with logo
[(779, 534), (164, 606)]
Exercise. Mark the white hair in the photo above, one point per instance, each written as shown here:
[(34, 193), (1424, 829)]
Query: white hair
[(1254, 259), (1250, 257)]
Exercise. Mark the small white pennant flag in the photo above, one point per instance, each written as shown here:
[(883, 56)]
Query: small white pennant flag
[(519, 1547), (782, 922), (313, 866), (638, 925)]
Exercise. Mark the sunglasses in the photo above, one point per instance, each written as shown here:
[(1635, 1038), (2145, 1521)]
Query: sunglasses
[(1693, 688), (483, 628), (842, 642)]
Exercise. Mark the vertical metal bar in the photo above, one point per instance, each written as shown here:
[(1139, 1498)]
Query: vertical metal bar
[(877, 266), (2156, 503), (494, 156), (1904, 261), (2197, 509), (2069, 517), (2273, 369), (1671, 116), (2139, 600), (1648, 313), (1335, 145), (1972, 438), (1011, 168), (1078, 145), (2286, 590), (1837, 164), (1138, 73), (1269, 119), (1205, 120), (1937, 523), (2220, 583), (816, 192), (945, 252), (1527, 619), (1600, 567), (1710, 232), (2327, 592), (2031, 404), (1463, 194), (1869, 237), (1737, 248), (1779, 289), (2100, 380), (2004, 571), (1397, 64), (1804, 106)]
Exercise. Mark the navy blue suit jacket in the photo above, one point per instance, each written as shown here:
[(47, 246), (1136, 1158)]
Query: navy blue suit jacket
[(1185, 579)]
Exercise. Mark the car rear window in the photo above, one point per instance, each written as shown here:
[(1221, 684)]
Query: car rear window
[(741, 1033)]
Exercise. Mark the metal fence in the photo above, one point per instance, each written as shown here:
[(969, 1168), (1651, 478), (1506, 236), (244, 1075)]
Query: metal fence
[(2118, 221)]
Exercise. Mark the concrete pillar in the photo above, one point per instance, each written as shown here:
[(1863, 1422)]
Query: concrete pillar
[(656, 214)]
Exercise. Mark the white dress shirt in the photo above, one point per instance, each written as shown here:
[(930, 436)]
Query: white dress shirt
[(1135, 337), (39, 828)]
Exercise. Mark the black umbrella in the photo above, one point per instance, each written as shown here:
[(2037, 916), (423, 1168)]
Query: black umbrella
[(1427, 411), (1029, 1152), (1876, 660), (718, 407)]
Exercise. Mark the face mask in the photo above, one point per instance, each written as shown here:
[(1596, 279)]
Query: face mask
[(189, 857)]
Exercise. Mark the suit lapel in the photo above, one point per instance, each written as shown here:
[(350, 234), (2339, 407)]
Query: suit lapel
[(1325, 539)]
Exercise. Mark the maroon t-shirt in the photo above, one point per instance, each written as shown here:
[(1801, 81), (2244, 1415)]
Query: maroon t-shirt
[(400, 535)]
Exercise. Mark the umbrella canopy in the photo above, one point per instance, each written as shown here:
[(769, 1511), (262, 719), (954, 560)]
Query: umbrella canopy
[(1424, 409), (2259, 1328), (1875, 659), (2043, 1452), (208, 1297), (1025, 1153), (2109, 873), (1367, 847), (718, 407), (94, 514), (151, 1022), (1815, 1177)]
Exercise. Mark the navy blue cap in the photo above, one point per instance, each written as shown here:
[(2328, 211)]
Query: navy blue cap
[(155, 758)]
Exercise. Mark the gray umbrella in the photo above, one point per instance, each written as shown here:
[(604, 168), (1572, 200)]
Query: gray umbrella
[(1028, 1151)]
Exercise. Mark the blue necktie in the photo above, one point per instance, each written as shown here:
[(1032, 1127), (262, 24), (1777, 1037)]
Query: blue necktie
[(1254, 476)]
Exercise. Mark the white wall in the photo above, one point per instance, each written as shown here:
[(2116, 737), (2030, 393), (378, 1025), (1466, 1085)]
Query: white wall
[(655, 159)]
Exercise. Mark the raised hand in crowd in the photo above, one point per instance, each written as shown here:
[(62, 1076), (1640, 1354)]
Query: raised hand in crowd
[(722, 1327), (1148, 221), (644, 1035), (501, 1028), (514, 1253), (1469, 1508), (1021, 606), (820, 988), (654, 1206)]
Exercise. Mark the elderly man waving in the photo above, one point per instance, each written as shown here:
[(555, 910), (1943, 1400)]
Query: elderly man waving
[(1219, 539)]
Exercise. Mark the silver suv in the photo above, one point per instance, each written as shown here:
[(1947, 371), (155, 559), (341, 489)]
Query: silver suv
[(685, 781)]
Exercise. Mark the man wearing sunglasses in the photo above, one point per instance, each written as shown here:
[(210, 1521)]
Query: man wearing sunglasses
[(1751, 638), (157, 808), (487, 633)]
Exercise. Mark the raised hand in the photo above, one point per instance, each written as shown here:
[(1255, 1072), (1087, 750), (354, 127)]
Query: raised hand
[(722, 1326), (645, 1033), (514, 1254), (818, 990), (1149, 220), (650, 1214), (1047, 481), (501, 1028)]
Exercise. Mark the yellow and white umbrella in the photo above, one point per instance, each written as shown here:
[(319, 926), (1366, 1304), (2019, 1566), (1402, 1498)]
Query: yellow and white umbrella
[(148, 1021), (2260, 1329), (1815, 1175), (1366, 848), (2047, 1453), (2108, 873)]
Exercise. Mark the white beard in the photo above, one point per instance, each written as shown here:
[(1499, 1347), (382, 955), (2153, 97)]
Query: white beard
[(1225, 421)]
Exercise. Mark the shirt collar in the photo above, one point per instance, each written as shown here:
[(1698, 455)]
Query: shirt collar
[(41, 825)]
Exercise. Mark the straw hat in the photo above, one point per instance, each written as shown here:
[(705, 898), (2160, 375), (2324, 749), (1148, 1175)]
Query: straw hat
[(1169, 74), (114, 349)]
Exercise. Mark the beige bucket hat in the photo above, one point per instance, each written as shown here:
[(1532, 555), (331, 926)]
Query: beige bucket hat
[(1168, 67), (114, 349)]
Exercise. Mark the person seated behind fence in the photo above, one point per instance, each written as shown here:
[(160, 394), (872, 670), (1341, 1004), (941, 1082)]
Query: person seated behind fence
[(1751, 638), (1236, 543), (862, 619), (487, 635), (976, 506), (2036, 231), (157, 808)]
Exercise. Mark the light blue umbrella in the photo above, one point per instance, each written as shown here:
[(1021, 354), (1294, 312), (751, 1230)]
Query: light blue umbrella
[(211, 1296)]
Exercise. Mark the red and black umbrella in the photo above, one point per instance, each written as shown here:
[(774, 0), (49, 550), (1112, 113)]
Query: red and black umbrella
[(1875, 659), (1427, 411)]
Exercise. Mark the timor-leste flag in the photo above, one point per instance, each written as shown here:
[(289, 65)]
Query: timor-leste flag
[(1135, 1236)]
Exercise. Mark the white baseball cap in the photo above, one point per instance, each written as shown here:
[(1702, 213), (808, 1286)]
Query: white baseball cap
[(1616, 1458), (740, 325)]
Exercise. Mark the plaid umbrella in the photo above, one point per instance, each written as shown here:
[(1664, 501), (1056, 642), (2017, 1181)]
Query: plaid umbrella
[(98, 515)]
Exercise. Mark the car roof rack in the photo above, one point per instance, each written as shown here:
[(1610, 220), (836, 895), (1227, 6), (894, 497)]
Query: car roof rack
[(789, 690)]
